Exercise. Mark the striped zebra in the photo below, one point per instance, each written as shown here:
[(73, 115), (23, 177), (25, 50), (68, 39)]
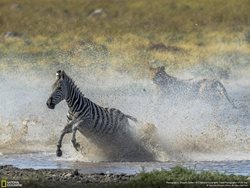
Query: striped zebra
[(209, 90), (103, 126)]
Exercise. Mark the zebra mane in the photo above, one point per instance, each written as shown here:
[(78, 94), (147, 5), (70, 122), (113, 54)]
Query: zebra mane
[(66, 78), (72, 82), (162, 71)]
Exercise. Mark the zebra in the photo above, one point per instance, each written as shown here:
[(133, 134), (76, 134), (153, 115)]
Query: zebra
[(209, 90), (103, 126)]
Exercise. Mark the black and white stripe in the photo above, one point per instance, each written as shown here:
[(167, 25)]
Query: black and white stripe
[(102, 120)]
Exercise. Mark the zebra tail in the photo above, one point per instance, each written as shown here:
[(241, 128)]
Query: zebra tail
[(131, 117), (225, 94)]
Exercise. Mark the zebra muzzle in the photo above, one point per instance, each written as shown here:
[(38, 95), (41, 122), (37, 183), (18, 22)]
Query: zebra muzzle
[(50, 104)]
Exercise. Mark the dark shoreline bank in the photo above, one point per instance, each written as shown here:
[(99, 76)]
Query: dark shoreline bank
[(60, 177), (175, 177)]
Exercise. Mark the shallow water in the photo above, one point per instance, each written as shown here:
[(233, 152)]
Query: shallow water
[(50, 161)]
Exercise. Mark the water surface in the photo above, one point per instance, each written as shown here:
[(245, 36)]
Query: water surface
[(50, 161)]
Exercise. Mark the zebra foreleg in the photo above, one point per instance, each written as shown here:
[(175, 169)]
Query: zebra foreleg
[(67, 129), (73, 140)]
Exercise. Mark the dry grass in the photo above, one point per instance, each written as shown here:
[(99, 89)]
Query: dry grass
[(120, 36)]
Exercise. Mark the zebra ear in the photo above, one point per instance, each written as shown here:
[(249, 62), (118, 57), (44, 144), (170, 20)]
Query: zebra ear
[(58, 74), (62, 74)]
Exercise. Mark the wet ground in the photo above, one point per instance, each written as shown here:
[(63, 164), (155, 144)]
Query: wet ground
[(58, 177)]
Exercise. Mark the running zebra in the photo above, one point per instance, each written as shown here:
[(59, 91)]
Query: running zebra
[(209, 90), (104, 126)]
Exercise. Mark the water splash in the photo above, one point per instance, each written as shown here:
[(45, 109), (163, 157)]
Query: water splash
[(188, 130)]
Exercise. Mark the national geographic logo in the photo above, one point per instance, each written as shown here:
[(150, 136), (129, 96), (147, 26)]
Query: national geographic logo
[(5, 183)]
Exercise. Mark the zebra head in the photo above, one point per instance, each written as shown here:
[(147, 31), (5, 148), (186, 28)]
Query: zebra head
[(59, 90), (160, 75)]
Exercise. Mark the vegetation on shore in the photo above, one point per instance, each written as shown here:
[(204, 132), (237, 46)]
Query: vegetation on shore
[(180, 176), (125, 35)]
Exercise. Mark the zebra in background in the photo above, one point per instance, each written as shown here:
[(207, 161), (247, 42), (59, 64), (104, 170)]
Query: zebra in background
[(210, 90), (103, 126)]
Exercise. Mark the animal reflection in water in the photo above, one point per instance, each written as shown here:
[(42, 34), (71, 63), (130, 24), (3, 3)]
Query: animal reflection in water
[(108, 128), (171, 87)]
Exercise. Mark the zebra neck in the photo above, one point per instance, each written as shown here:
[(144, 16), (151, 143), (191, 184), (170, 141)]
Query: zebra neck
[(74, 100)]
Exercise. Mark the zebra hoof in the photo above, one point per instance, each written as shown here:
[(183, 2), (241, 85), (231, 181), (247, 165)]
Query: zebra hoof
[(58, 153)]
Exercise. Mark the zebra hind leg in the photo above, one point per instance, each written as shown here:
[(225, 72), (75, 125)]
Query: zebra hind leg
[(73, 140)]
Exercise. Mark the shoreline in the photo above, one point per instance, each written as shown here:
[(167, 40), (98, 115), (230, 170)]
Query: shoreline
[(60, 177), (177, 176)]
